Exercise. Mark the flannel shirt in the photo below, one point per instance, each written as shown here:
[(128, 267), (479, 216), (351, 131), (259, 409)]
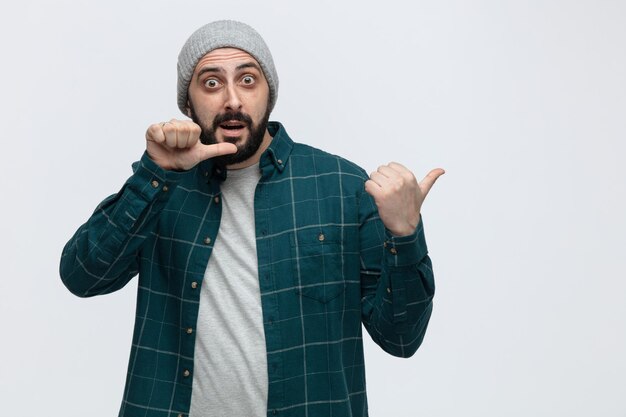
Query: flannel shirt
[(326, 265)]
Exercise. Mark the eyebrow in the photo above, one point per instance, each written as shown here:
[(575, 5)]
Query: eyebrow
[(221, 70), (248, 65), (210, 69)]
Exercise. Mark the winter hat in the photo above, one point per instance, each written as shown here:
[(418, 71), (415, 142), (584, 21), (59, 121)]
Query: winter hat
[(224, 34)]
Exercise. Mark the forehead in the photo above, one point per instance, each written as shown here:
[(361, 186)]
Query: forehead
[(225, 58)]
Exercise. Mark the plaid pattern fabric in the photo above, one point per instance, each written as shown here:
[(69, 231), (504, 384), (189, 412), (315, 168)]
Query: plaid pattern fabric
[(326, 265)]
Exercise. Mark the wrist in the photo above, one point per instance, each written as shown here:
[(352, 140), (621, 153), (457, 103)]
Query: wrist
[(406, 229)]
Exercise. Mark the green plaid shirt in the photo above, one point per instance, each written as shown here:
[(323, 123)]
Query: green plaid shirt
[(326, 265)]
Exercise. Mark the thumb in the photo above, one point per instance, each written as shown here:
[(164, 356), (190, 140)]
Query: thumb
[(217, 149), (428, 181)]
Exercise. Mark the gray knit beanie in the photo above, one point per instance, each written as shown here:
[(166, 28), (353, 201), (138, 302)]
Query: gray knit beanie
[(224, 34)]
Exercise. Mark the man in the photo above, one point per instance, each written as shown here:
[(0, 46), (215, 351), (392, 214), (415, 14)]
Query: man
[(258, 258)]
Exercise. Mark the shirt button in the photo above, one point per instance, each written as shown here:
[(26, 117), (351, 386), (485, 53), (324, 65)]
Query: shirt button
[(207, 240), (155, 184), (216, 199), (181, 415), (166, 188), (280, 162), (393, 251), (186, 373), (189, 330), (389, 290), (206, 173), (194, 285), (321, 237)]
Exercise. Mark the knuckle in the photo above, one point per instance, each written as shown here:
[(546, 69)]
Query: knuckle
[(170, 140), (154, 133), (168, 128), (181, 132), (151, 131)]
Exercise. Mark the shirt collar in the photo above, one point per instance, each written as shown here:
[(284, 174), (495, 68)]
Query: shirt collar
[(276, 156)]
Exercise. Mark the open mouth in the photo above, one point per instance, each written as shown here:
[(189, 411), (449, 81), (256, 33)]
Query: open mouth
[(232, 125)]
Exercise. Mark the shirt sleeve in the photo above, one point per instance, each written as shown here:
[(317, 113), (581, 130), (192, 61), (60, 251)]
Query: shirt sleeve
[(101, 257), (397, 283)]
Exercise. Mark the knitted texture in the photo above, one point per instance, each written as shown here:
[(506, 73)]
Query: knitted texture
[(224, 34)]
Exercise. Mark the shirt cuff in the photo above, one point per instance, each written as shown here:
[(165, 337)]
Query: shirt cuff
[(150, 180), (405, 250)]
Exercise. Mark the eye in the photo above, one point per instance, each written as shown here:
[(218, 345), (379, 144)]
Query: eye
[(248, 80), (211, 83)]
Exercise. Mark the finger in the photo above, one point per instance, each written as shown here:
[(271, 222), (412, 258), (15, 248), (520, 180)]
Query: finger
[(428, 181), (182, 135), (398, 167), (188, 133), (398, 175), (218, 149), (169, 130), (387, 171), (380, 179), (194, 134), (403, 171), (373, 189), (155, 133)]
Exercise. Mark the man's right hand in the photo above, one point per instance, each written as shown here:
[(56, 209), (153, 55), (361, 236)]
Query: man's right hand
[(175, 145)]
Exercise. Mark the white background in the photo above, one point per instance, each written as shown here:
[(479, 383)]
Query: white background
[(522, 102)]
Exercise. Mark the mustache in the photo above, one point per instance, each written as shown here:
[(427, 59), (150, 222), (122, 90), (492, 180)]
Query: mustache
[(230, 116)]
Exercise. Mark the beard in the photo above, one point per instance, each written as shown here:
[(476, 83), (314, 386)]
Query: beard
[(246, 147)]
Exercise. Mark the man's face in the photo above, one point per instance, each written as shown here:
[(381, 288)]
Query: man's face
[(228, 98)]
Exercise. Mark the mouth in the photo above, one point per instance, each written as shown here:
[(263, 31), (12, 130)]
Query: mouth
[(232, 127)]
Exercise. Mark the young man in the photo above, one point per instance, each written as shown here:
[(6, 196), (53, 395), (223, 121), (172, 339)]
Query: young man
[(258, 258)]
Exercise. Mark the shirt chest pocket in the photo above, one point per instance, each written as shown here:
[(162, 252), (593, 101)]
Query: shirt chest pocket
[(317, 259)]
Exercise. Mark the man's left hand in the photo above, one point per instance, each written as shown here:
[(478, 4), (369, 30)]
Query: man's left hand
[(399, 196)]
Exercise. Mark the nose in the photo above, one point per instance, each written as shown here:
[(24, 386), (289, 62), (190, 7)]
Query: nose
[(233, 101)]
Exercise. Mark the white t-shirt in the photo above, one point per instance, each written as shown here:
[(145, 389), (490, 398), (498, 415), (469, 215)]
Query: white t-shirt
[(230, 359)]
